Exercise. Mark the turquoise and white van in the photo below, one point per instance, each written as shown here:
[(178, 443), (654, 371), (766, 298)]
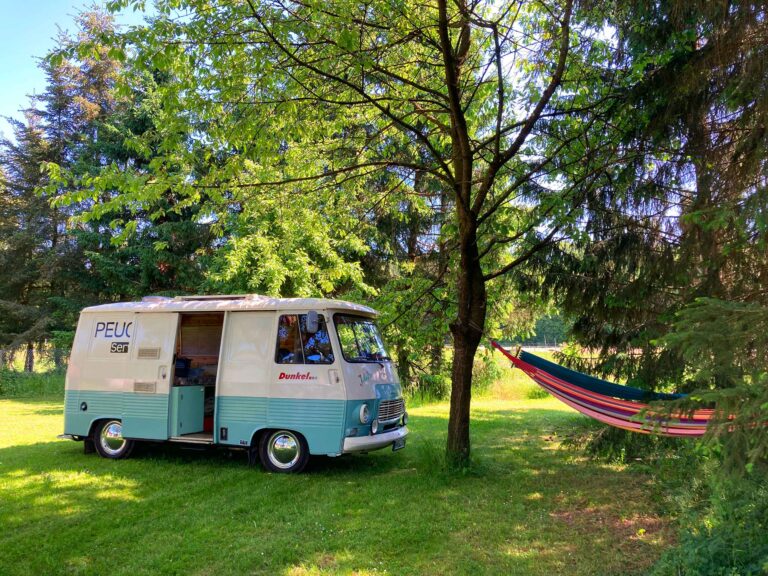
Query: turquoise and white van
[(282, 378)]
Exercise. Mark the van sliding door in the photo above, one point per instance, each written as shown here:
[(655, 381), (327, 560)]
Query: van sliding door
[(145, 407)]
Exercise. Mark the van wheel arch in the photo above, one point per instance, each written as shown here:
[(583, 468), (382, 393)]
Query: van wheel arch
[(256, 437), (253, 448), (94, 425)]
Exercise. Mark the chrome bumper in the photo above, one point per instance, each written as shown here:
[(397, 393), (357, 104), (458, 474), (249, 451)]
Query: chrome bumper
[(368, 443)]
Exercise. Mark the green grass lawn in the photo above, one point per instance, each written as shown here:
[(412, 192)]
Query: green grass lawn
[(527, 506)]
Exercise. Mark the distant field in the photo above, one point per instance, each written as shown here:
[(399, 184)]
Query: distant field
[(514, 384), (526, 507)]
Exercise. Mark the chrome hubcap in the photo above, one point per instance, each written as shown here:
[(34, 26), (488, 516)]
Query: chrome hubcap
[(283, 450), (111, 438)]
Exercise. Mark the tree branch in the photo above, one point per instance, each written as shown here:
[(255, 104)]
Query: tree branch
[(462, 156), (504, 157), (343, 81)]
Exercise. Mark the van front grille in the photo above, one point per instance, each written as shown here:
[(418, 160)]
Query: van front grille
[(391, 410)]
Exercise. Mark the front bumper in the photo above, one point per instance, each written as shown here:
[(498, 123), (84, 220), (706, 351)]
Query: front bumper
[(368, 443)]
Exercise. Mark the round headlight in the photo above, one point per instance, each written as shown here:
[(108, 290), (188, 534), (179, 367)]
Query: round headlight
[(374, 426), (405, 418), (365, 414)]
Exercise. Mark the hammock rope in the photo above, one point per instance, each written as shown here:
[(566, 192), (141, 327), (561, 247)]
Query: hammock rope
[(621, 406)]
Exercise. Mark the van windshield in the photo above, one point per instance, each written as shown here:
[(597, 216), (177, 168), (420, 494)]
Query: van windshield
[(360, 339)]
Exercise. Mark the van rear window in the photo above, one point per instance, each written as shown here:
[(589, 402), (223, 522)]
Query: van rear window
[(297, 346)]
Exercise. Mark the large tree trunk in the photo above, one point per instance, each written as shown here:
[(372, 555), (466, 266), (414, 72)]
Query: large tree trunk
[(29, 360), (467, 331), (404, 367), (468, 327), (436, 355), (58, 359)]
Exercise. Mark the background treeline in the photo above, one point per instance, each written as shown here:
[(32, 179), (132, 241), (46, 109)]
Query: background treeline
[(64, 246), (194, 155), (54, 262)]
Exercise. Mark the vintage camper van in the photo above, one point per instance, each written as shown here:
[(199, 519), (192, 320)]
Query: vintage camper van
[(280, 378)]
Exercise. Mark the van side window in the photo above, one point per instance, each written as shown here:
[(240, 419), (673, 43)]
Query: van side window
[(296, 346)]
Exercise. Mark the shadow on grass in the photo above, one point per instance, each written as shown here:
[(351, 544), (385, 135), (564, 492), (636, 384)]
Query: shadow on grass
[(525, 507), (49, 412)]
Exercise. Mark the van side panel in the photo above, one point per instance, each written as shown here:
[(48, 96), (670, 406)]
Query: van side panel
[(145, 403), (309, 398), (98, 370), (244, 371), (84, 407), (120, 368), (257, 393), (320, 421), (75, 422)]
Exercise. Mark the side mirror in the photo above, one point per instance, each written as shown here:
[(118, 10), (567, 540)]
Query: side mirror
[(313, 323)]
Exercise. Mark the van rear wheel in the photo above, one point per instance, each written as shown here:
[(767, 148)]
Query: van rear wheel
[(109, 442), (283, 451)]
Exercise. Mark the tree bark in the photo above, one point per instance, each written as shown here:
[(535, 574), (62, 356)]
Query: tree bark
[(29, 360), (58, 359), (404, 367), (468, 327), (436, 355), (467, 331)]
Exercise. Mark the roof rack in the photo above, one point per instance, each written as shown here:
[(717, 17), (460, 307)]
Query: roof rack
[(153, 298), (213, 297)]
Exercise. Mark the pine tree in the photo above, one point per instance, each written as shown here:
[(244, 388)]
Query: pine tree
[(682, 216), (28, 234)]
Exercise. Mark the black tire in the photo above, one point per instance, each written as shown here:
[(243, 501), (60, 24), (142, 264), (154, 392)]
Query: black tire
[(283, 451), (109, 442)]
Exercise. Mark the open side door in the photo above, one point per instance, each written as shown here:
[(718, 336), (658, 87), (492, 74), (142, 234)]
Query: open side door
[(145, 406)]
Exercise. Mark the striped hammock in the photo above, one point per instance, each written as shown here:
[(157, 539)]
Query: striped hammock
[(621, 406)]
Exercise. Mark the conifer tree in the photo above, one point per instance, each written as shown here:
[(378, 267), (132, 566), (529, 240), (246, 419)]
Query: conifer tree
[(683, 216), (28, 229)]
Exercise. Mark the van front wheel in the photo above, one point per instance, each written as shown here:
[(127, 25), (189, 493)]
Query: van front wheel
[(283, 451), (109, 442)]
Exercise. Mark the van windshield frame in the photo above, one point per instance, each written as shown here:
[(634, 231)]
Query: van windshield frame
[(359, 339)]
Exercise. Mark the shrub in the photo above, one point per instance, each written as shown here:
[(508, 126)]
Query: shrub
[(485, 371), (617, 445), (728, 536), (14, 384), (432, 387), (536, 393)]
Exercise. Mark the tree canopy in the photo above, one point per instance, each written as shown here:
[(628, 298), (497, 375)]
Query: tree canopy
[(479, 109), (456, 164)]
